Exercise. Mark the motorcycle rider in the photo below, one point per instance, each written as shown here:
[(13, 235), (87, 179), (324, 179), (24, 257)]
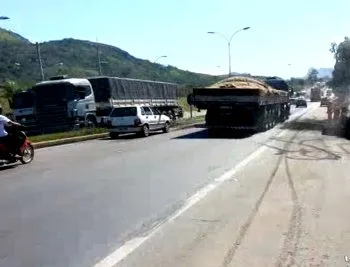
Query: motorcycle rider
[(5, 138)]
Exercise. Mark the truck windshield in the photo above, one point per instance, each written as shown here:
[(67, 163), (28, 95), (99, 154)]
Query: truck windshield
[(50, 94), (124, 112), (23, 100)]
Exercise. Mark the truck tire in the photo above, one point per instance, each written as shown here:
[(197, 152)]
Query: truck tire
[(262, 123), (91, 121)]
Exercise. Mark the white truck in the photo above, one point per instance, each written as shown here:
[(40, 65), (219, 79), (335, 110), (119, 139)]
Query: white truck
[(60, 104)]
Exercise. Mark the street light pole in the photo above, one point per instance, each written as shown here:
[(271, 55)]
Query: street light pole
[(229, 44), (40, 61), (159, 58)]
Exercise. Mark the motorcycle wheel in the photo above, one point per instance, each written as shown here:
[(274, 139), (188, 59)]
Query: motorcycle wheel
[(28, 154)]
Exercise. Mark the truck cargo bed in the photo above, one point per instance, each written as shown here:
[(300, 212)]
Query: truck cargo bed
[(203, 97)]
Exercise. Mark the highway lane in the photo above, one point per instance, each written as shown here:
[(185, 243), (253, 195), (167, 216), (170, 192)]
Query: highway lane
[(285, 207), (76, 203)]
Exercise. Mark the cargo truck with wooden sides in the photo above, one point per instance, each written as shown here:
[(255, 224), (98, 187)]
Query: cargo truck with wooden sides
[(243, 103), (112, 92)]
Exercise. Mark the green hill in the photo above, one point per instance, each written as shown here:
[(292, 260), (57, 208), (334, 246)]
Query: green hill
[(77, 58)]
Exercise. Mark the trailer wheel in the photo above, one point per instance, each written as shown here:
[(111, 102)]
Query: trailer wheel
[(262, 123)]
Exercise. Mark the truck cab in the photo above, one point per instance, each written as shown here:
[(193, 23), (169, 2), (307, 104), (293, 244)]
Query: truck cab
[(23, 108), (63, 103)]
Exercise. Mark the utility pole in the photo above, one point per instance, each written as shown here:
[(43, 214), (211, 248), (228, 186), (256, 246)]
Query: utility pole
[(98, 58), (39, 60)]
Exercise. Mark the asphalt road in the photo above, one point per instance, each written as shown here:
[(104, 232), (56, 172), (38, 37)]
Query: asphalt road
[(286, 206), (75, 204)]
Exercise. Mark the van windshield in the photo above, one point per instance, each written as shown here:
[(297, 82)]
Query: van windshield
[(124, 112)]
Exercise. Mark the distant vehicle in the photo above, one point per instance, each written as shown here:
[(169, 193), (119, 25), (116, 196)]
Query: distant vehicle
[(315, 94), (141, 119), (292, 100), (113, 91), (242, 103), (301, 102)]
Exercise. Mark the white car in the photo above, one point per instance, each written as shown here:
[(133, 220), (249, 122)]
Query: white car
[(137, 119)]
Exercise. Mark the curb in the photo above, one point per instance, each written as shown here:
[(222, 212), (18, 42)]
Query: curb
[(77, 139)]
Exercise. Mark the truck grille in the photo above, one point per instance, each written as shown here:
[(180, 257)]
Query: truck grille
[(51, 118)]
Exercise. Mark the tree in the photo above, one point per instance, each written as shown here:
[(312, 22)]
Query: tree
[(297, 84), (8, 89), (341, 74), (312, 76)]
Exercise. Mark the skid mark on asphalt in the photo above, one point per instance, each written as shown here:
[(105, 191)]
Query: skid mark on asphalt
[(293, 235), (243, 230), (292, 239)]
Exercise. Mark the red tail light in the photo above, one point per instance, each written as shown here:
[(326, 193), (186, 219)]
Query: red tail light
[(137, 122)]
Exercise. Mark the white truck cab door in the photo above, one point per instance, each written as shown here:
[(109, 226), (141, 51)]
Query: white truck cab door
[(86, 101)]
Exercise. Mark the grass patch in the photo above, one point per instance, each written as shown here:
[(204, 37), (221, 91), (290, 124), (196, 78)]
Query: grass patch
[(183, 103), (197, 119), (62, 135), (5, 105)]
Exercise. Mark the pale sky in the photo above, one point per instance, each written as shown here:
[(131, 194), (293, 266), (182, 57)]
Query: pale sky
[(296, 32)]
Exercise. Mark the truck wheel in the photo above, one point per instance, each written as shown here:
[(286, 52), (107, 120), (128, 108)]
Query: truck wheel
[(166, 128), (113, 135), (91, 122), (145, 130)]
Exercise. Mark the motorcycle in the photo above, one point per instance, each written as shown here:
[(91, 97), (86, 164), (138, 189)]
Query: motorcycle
[(25, 152)]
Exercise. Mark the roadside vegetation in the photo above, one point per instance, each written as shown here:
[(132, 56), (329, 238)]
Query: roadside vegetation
[(91, 131), (63, 135)]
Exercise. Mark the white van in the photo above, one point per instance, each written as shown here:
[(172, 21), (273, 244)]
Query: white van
[(136, 119)]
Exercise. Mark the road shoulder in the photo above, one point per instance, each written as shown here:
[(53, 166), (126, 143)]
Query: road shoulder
[(285, 208)]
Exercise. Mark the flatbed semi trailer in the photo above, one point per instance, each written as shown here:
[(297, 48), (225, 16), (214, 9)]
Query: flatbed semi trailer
[(241, 103)]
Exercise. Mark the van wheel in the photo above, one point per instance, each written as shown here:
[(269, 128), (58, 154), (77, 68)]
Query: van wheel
[(145, 130), (113, 135), (166, 128)]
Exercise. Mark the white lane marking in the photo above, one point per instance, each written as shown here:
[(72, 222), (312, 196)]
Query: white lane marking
[(122, 252)]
